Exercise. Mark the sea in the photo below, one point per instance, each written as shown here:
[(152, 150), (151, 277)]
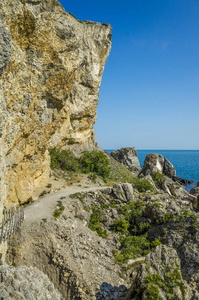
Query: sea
[(186, 162)]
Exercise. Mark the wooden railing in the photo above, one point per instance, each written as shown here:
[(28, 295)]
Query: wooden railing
[(12, 220)]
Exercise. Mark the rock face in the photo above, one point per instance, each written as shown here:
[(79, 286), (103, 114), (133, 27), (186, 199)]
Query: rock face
[(195, 191), (158, 163), (5, 53), (127, 157), (51, 66), (75, 258), (154, 276), (26, 283)]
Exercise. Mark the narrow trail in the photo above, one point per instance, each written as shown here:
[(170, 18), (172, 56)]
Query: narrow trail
[(43, 207)]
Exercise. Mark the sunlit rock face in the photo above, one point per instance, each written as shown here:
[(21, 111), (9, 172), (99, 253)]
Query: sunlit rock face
[(5, 53), (49, 88)]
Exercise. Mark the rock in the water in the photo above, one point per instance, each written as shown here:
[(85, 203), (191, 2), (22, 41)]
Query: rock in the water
[(158, 163), (128, 157), (26, 283)]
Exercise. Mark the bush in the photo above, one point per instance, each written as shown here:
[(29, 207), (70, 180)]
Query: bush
[(95, 217), (94, 223), (63, 159), (95, 162), (133, 247), (43, 193), (142, 185), (157, 176), (121, 225), (133, 210), (72, 141), (57, 213)]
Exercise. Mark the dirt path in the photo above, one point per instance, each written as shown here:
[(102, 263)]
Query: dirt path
[(43, 208)]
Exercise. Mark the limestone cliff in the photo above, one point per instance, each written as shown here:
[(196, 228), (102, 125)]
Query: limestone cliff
[(50, 68)]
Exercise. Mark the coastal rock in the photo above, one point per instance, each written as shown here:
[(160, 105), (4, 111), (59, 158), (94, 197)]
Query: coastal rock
[(26, 283), (157, 163), (195, 191), (51, 66), (127, 157), (160, 263)]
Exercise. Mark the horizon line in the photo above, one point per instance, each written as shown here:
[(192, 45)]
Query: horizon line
[(156, 149)]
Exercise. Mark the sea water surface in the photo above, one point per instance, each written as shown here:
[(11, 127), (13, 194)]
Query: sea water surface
[(186, 162)]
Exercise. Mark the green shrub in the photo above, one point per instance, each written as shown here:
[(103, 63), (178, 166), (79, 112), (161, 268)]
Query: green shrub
[(43, 193), (63, 159), (172, 278), (57, 213), (94, 223), (72, 141), (121, 225), (112, 204), (102, 233), (95, 217), (142, 185), (49, 185), (104, 206), (141, 228), (133, 247), (157, 176), (152, 291), (95, 161)]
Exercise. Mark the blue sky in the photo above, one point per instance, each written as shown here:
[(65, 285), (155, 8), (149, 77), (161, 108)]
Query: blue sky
[(149, 96)]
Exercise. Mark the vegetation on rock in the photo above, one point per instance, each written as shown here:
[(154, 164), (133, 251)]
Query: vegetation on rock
[(94, 161), (57, 212)]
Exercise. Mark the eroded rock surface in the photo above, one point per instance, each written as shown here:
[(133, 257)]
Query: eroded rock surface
[(51, 66), (158, 163), (26, 283), (128, 157), (5, 53), (155, 275)]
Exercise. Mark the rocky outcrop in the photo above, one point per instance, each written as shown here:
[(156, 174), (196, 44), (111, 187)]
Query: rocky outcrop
[(153, 280), (26, 283), (51, 66), (75, 258), (195, 191), (158, 163), (127, 157), (5, 53)]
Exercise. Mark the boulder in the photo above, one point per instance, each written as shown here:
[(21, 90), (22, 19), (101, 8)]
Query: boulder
[(127, 157), (107, 291), (195, 191), (157, 163), (128, 190)]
